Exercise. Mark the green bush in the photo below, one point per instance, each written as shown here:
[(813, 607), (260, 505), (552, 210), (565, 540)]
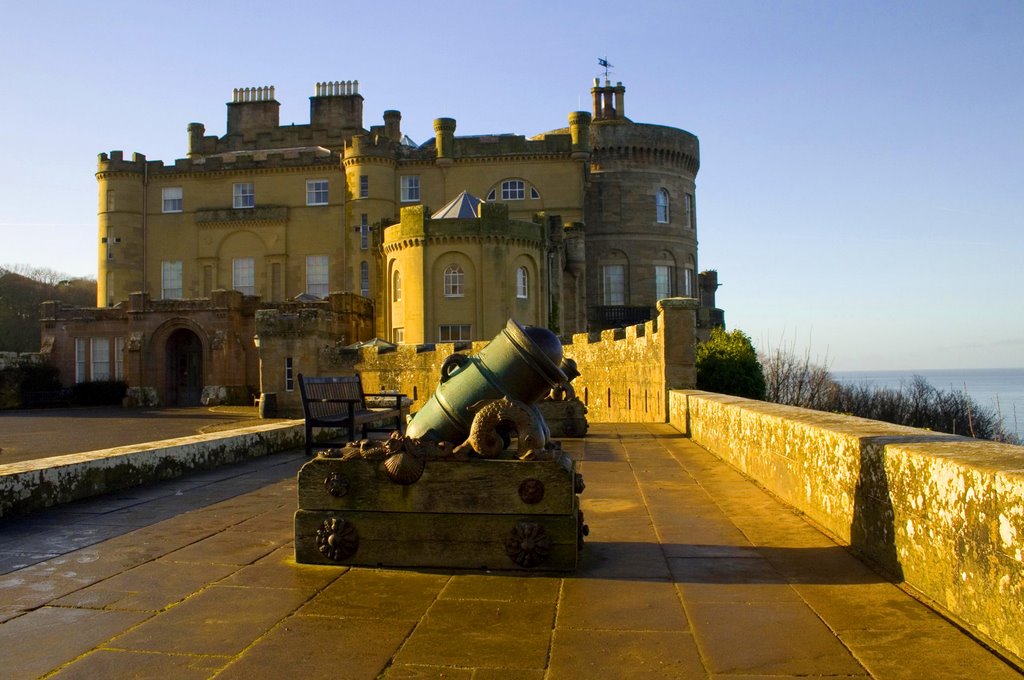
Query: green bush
[(99, 393), (23, 377), (727, 363)]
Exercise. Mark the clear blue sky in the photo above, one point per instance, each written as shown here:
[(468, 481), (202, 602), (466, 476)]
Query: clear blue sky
[(861, 189)]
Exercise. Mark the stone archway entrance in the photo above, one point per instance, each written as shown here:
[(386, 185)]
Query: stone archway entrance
[(183, 368)]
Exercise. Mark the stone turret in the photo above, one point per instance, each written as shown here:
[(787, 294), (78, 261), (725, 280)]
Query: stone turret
[(444, 129), (579, 128)]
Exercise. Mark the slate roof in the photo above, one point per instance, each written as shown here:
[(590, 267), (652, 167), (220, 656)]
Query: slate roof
[(465, 206)]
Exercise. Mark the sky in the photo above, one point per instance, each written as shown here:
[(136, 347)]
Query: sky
[(861, 189)]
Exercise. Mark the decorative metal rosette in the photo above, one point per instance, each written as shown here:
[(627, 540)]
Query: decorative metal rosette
[(528, 544), (337, 539), (336, 484), (531, 491)]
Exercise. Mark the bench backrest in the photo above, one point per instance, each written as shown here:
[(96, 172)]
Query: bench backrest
[(336, 387)]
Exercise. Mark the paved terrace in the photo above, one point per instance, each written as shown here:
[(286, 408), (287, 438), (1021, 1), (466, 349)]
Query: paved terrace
[(690, 571)]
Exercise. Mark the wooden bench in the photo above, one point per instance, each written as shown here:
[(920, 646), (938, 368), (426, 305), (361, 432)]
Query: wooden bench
[(339, 402)]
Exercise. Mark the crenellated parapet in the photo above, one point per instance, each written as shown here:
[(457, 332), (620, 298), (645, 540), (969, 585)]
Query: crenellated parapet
[(643, 145)]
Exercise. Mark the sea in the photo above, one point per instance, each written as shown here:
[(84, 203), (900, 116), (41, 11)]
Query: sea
[(999, 389)]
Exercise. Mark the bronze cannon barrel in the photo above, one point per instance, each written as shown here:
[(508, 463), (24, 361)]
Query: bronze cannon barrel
[(519, 363)]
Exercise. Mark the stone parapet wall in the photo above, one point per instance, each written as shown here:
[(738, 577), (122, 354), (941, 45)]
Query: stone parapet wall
[(940, 513)]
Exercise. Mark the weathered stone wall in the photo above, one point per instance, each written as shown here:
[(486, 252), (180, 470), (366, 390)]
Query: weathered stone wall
[(942, 514)]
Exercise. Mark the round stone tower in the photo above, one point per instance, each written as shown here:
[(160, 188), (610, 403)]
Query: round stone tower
[(122, 232), (641, 229)]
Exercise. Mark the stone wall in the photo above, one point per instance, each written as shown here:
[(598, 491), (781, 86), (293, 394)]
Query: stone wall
[(625, 373), (940, 513)]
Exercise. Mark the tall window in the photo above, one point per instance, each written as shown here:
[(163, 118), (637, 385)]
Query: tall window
[(110, 200), (398, 335), (364, 278), (662, 281), (688, 282), (614, 276), (513, 190), (243, 195), (317, 281), (80, 375), (99, 352), (119, 358), (410, 188), (170, 280), (243, 275), (454, 281), (364, 186), (661, 206), (396, 287), (364, 231), (289, 374), (454, 332), (316, 192), (689, 210), (522, 283), (171, 199)]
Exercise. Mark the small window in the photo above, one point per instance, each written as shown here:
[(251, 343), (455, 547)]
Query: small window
[(398, 335), (170, 280), (513, 190), (614, 277), (316, 192), (396, 287), (410, 188), (80, 360), (534, 194), (110, 200), (243, 275), (364, 278), (491, 195), (688, 205), (661, 206), (172, 202), (317, 281), (119, 358), (662, 281), (688, 282), (454, 281), (243, 194), (522, 283), (454, 332), (99, 352), (289, 374), (364, 231), (364, 186)]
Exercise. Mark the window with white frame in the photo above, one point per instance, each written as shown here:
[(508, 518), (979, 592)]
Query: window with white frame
[(614, 279), (491, 195), (454, 281), (243, 275), (513, 190), (410, 188), (662, 281), (458, 332), (289, 374), (99, 358), (661, 206), (396, 287), (172, 202), (118, 358), (170, 280), (688, 281), (398, 335), (80, 359), (688, 205), (317, 281), (522, 283), (316, 192), (243, 195), (364, 186), (364, 278), (364, 231)]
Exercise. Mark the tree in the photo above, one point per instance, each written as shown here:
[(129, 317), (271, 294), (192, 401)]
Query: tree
[(22, 290), (727, 363)]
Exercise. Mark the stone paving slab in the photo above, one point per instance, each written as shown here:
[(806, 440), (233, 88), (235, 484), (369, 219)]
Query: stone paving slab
[(690, 571)]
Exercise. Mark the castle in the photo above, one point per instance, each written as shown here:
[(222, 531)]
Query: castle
[(580, 228)]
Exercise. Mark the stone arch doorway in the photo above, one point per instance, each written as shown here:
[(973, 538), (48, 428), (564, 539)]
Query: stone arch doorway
[(183, 368)]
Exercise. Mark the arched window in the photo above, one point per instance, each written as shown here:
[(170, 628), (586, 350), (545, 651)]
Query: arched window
[(513, 190), (454, 281), (522, 283), (396, 287), (661, 206)]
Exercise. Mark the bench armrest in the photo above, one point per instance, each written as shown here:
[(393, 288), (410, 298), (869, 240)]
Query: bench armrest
[(385, 395)]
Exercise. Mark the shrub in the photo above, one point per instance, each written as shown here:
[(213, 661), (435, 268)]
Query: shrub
[(727, 363), (26, 376), (99, 393)]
